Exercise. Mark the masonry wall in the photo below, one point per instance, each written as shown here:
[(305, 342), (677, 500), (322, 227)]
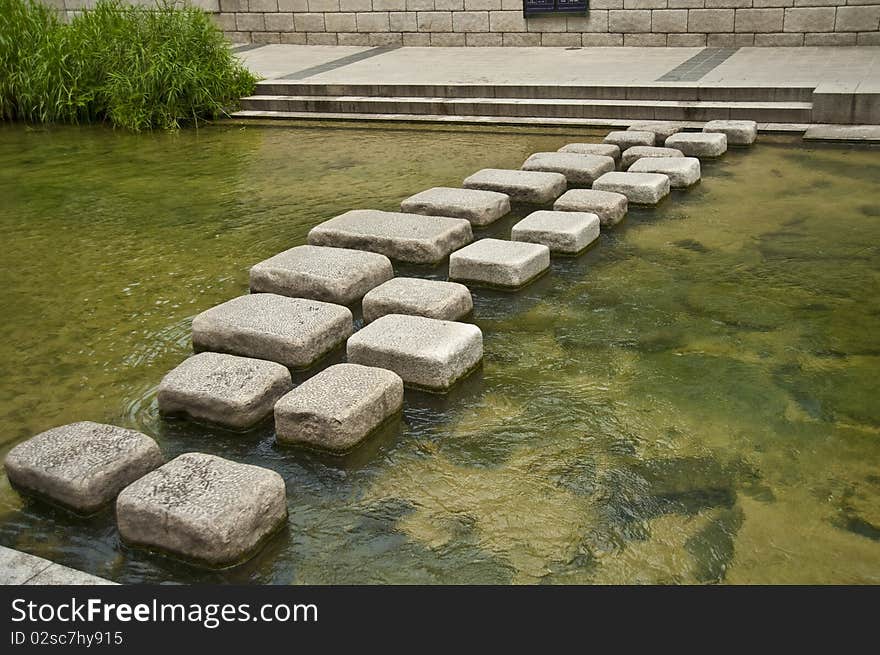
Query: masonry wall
[(714, 23)]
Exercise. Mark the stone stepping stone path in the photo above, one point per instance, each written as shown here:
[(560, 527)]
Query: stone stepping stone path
[(295, 332), (639, 188), (534, 187), (226, 390), (661, 129), (602, 149), (337, 275), (81, 466), (698, 144), (426, 353), (635, 153), (628, 138), (498, 263), (609, 206), (448, 301), (681, 171), (577, 168), (405, 237), (738, 133), (479, 207), (203, 509), (339, 407), (566, 233)]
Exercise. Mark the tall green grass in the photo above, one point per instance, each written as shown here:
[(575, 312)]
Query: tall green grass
[(136, 68)]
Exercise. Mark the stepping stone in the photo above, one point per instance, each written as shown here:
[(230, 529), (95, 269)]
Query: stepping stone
[(661, 129), (577, 168), (226, 390), (447, 301), (681, 171), (478, 207), (638, 152), (639, 188), (339, 407), (405, 237), (534, 187), (563, 232), (81, 466), (426, 352), (603, 149), (336, 275), (698, 144), (498, 263), (203, 509), (738, 133), (609, 206), (628, 138), (295, 332)]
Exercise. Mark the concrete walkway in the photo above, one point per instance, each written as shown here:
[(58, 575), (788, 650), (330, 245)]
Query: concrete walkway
[(18, 568)]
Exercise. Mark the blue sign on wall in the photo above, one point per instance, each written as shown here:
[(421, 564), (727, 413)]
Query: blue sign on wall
[(531, 7)]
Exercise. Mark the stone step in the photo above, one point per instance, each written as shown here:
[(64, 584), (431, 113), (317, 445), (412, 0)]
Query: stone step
[(675, 110), (530, 91)]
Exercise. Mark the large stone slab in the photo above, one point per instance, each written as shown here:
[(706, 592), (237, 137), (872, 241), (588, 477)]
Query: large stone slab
[(566, 233), (339, 407), (661, 129), (338, 275), (536, 187), (639, 188), (203, 509), (603, 149), (81, 466), (681, 171), (609, 206), (226, 390), (405, 237), (698, 144), (427, 353), (295, 332), (447, 301), (18, 568), (499, 263), (738, 133), (638, 152), (577, 168), (628, 138), (479, 207)]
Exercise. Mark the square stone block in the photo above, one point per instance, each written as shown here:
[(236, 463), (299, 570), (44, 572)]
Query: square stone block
[(661, 129), (681, 171), (81, 466), (563, 232), (337, 275), (522, 186), (637, 152), (628, 138), (426, 352), (699, 144), (203, 509), (639, 188), (295, 332), (405, 237), (478, 207), (226, 390), (447, 301), (602, 149), (738, 133), (339, 407), (577, 168), (609, 206), (499, 263)]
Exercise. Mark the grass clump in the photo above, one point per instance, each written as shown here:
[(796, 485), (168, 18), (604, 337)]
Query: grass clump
[(137, 68)]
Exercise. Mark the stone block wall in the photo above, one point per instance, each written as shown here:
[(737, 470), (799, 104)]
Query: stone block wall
[(714, 23)]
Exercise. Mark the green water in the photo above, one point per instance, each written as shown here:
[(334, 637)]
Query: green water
[(693, 400)]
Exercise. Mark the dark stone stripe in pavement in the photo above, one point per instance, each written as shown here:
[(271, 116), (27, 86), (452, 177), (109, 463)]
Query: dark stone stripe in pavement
[(338, 63), (697, 66)]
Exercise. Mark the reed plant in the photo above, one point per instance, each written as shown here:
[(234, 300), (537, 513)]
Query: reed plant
[(137, 68)]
